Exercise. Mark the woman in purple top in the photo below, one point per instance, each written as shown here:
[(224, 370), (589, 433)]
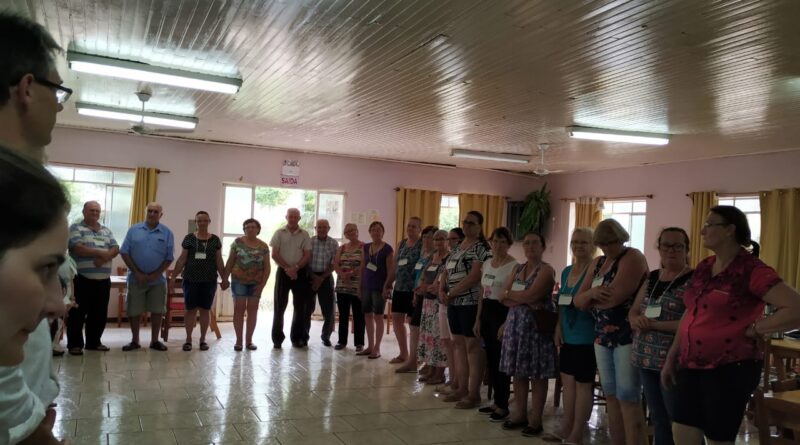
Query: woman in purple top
[(377, 262)]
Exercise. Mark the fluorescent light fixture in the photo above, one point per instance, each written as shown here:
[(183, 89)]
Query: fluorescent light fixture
[(126, 69), (489, 156), (164, 120), (634, 137)]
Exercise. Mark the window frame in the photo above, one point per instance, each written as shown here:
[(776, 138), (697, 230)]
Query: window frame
[(609, 203), (743, 196)]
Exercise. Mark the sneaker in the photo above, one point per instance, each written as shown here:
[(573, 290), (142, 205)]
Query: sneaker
[(498, 417), (158, 346), (486, 410)]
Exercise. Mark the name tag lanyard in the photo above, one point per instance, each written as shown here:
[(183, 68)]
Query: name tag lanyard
[(200, 255), (652, 302)]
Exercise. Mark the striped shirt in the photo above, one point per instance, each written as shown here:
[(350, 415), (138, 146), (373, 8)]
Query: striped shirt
[(80, 233)]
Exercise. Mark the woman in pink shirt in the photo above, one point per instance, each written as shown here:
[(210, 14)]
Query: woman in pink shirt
[(716, 358)]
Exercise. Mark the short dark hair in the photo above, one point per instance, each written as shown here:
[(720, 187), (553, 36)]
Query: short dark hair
[(203, 212), (377, 223), (502, 232), (251, 221), (737, 218), (458, 231), (538, 235), (676, 230), (25, 47), (36, 197), (429, 229)]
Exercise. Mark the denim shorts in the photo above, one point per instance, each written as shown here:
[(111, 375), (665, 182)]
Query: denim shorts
[(240, 290), (618, 376)]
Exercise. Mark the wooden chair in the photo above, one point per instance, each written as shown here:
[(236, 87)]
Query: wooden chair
[(784, 414), (175, 308)]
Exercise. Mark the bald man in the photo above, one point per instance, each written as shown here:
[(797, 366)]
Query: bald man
[(291, 251), (148, 252)]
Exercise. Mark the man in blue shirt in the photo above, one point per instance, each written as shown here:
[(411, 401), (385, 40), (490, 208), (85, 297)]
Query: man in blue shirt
[(148, 252)]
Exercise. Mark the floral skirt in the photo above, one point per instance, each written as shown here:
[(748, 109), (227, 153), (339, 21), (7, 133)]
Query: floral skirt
[(430, 348), (527, 353)]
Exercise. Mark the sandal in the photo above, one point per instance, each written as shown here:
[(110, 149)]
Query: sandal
[(532, 431), (512, 425), (373, 357), (75, 351), (364, 352), (158, 346), (131, 346), (397, 360), (454, 397), (252, 347), (553, 438), (203, 346), (187, 346), (237, 348), (467, 404)]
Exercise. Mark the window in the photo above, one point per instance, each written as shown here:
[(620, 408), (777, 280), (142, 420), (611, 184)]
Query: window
[(751, 206), (448, 215), (631, 215), (113, 189)]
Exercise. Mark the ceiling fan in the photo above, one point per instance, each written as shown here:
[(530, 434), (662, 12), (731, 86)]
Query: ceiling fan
[(143, 129), (541, 169)]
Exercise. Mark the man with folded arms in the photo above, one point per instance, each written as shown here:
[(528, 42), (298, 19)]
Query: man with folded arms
[(92, 246), (148, 250)]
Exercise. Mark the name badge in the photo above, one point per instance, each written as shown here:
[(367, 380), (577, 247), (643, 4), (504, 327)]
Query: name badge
[(597, 281), (452, 264), (433, 268), (402, 261), (488, 280), (564, 299), (199, 255), (99, 242), (372, 267), (418, 266), (652, 311), (518, 285)]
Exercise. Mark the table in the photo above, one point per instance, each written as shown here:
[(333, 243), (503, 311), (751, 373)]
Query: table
[(780, 350), (119, 282), (789, 396)]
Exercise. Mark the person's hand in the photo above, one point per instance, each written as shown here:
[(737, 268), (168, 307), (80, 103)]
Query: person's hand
[(316, 282), (476, 328), (601, 295), (558, 337), (224, 285), (387, 293), (644, 323), (140, 277), (99, 261), (501, 331), (669, 373), (155, 276), (43, 434), (257, 291), (432, 288)]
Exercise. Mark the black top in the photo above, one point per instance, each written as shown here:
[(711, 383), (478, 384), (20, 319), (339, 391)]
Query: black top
[(201, 270)]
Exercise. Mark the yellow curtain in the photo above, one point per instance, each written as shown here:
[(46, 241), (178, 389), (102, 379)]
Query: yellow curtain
[(144, 192), (701, 204), (588, 212), (493, 209), (780, 239), (425, 204)]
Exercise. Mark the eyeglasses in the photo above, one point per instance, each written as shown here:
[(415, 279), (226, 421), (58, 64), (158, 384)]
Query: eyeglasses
[(711, 224), (62, 93), (677, 247), (467, 222), (580, 242), (454, 238), (440, 239)]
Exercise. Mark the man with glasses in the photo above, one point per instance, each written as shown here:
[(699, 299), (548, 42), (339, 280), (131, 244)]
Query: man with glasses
[(30, 98), (323, 250), (148, 250)]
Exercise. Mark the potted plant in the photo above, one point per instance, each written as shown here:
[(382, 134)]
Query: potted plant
[(536, 211)]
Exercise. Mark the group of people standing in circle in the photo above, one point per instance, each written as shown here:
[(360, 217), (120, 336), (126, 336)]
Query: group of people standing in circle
[(688, 339)]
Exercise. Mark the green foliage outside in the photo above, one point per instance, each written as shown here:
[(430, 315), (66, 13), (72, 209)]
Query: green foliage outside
[(308, 214), (448, 218), (272, 196)]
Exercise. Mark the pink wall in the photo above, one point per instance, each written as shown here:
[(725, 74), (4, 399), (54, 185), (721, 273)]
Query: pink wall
[(669, 185), (198, 170)]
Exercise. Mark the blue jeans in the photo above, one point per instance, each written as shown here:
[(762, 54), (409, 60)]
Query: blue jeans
[(660, 403), (617, 375)]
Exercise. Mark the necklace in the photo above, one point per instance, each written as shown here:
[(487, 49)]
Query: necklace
[(652, 291)]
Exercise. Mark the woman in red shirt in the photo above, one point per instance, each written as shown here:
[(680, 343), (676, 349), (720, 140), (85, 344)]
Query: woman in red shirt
[(717, 350)]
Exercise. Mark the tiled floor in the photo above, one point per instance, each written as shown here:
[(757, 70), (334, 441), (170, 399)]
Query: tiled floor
[(289, 397)]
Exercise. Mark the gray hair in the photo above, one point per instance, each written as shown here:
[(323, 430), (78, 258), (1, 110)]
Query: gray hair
[(25, 47), (443, 233)]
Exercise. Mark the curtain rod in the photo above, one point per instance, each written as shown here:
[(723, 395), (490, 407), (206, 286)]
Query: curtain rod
[(108, 167), (732, 194), (613, 198), (397, 189)]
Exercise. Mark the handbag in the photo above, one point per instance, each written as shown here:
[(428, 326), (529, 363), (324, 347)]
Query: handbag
[(545, 321)]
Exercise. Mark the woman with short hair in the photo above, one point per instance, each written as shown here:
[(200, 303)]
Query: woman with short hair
[(377, 263), (200, 262), (249, 268), (529, 352), (491, 317), (349, 265), (430, 349), (615, 279), (461, 290), (718, 348), (654, 318)]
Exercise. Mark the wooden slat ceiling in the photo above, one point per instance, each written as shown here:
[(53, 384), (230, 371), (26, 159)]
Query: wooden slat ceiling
[(413, 79)]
